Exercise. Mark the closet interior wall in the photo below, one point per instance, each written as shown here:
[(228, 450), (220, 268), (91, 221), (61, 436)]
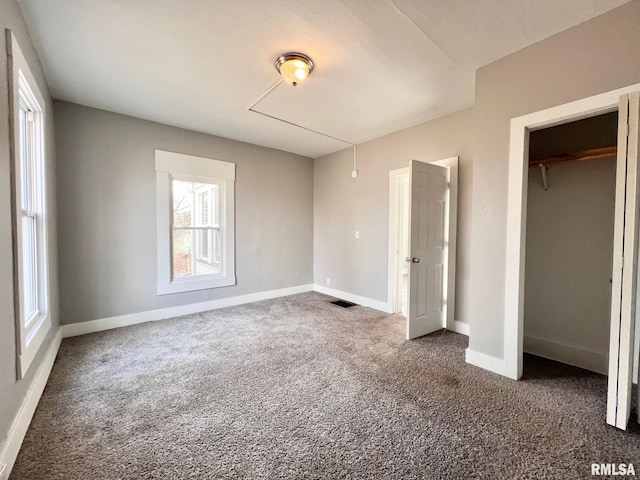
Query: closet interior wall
[(569, 246)]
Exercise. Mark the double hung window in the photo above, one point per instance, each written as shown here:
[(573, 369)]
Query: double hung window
[(31, 287), (195, 198)]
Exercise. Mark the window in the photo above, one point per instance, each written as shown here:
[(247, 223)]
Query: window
[(195, 199), (194, 236), (29, 213)]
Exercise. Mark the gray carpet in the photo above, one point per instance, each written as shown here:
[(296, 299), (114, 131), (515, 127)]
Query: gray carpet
[(299, 388)]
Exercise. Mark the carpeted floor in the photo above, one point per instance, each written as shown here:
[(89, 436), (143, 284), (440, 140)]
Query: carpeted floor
[(299, 388)]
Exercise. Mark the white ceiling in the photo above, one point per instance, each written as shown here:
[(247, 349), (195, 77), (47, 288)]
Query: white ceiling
[(381, 65)]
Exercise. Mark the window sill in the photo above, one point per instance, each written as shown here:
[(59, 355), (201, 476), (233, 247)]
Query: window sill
[(35, 339), (193, 284)]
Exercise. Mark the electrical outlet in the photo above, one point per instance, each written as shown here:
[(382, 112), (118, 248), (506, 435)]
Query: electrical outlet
[(328, 281), (357, 234)]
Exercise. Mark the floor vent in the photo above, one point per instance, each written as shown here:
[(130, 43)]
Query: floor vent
[(344, 304)]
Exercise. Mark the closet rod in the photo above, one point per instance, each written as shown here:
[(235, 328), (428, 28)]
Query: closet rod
[(582, 155)]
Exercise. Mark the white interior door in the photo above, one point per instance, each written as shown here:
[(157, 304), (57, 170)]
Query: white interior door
[(625, 261), (428, 234)]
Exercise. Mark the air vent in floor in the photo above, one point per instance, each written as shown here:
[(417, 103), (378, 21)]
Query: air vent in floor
[(344, 304)]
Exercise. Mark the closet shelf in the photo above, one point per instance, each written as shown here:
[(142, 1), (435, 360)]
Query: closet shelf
[(593, 154)]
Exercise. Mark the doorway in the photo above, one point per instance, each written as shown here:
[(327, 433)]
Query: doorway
[(569, 241), (622, 357), (422, 244), (399, 203)]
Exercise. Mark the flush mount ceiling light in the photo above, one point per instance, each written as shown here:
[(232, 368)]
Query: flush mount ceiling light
[(294, 67)]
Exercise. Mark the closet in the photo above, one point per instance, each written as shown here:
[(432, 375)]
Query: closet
[(569, 241)]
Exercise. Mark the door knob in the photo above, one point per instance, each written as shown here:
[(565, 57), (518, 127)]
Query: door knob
[(414, 260)]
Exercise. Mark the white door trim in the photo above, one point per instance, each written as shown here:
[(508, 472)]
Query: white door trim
[(393, 233), (517, 213)]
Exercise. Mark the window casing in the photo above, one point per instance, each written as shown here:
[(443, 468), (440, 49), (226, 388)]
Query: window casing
[(31, 287), (195, 201)]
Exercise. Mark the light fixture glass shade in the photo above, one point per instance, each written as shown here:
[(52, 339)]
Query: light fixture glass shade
[(294, 67)]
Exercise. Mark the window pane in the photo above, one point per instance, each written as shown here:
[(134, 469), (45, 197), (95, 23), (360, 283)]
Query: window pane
[(182, 203), (195, 238), (203, 246), (183, 257), (216, 243), (28, 186), (208, 246), (29, 259), (210, 264), (26, 163), (188, 246)]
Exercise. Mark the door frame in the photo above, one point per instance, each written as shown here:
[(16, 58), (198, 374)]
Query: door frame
[(517, 209), (452, 220), (394, 227)]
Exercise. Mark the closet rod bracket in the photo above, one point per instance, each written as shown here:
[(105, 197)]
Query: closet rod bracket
[(543, 172)]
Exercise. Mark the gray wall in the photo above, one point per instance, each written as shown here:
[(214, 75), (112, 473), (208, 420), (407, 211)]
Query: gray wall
[(107, 220), (569, 250), (12, 392), (594, 57), (344, 205)]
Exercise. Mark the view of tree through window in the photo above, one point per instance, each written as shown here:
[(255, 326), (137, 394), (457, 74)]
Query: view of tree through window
[(196, 230)]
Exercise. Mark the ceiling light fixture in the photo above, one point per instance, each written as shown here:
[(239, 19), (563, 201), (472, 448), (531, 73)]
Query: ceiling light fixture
[(294, 67)]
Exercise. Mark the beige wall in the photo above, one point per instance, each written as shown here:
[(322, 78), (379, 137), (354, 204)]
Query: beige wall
[(107, 220), (344, 205), (569, 249), (594, 57), (12, 392)]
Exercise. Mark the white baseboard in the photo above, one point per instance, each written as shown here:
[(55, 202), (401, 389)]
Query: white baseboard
[(493, 364), (459, 327), (75, 329), (22, 420), (350, 297), (578, 357)]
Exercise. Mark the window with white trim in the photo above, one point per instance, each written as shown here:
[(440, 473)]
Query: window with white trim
[(195, 214), (29, 214)]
